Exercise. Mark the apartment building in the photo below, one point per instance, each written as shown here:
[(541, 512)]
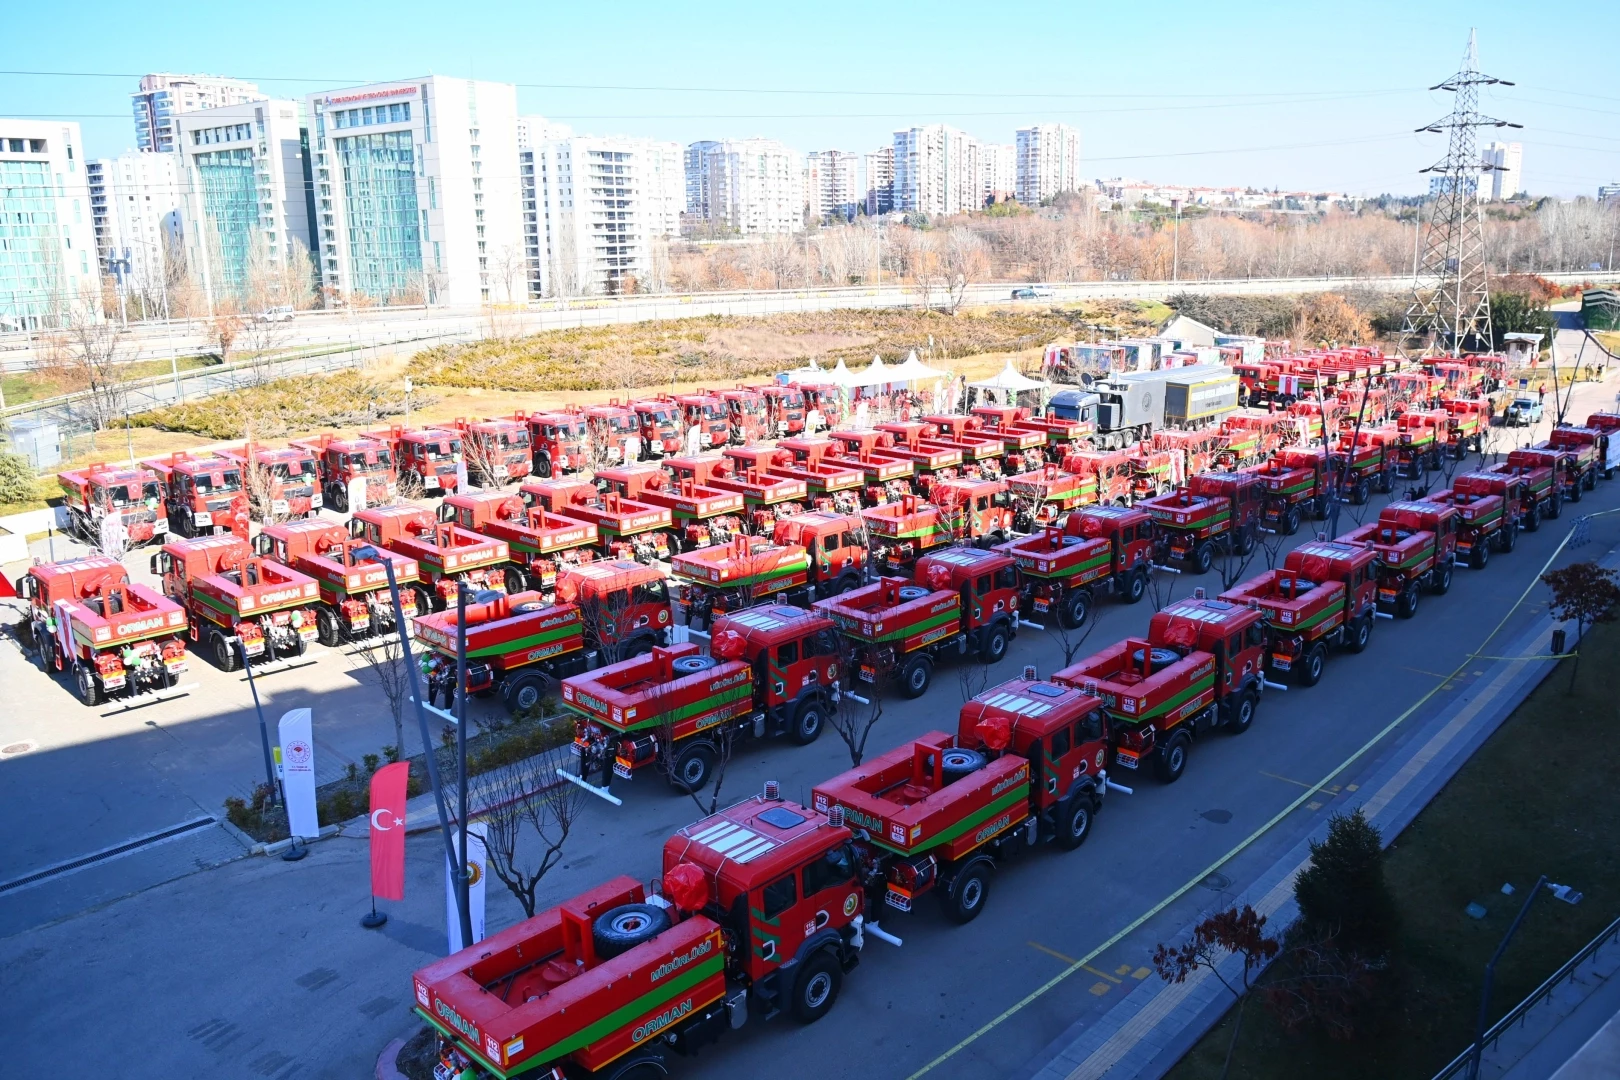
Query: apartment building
[(164, 96), (830, 185), (597, 213), (246, 204), (746, 187), (998, 165), (880, 181), (48, 268), (1048, 162), (1506, 164), (416, 187), (135, 211), (936, 171)]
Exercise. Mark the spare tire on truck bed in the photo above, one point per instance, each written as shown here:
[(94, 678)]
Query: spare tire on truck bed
[(958, 762), (909, 593), (1161, 657), (620, 929), (691, 665)]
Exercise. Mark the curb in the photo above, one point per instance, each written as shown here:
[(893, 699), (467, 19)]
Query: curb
[(386, 1069), (327, 831)]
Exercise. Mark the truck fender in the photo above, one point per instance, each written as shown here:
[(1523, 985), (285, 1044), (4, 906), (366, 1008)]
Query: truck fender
[(825, 938), (1086, 785), (627, 1066), (957, 871)]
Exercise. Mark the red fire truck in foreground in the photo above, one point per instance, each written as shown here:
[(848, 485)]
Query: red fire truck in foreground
[(1323, 595)]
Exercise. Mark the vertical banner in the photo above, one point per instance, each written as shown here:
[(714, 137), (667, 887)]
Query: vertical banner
[(388, 831), (476, 859), (357, 494), (298, 773)]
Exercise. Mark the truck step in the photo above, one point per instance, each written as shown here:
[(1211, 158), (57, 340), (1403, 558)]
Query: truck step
[(153, 698)]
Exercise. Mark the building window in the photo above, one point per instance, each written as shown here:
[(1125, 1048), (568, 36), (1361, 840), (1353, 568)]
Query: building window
[(384, 231)]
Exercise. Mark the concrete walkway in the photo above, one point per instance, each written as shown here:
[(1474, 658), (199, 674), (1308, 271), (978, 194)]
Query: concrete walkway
[(1573, 1033)]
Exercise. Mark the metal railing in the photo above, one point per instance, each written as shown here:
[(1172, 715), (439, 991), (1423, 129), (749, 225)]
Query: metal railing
[(1459, 1065)]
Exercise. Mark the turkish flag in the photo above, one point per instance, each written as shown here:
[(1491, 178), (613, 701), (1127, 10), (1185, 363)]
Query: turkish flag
[(388, 831), (6, 588)]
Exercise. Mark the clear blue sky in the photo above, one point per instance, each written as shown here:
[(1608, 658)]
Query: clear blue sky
[(1296, 95)]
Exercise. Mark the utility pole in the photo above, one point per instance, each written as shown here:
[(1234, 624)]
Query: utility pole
[(1451, 301)]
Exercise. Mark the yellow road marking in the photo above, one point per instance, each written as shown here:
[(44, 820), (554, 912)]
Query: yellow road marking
[(1431, 674), (1123, 969), (1053, 953), (1193, 882), (1140, 973), (1100, 989), (1313, 805), (1104, 974), (1285, 779)]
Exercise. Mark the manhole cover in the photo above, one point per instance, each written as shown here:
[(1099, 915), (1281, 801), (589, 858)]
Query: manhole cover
[(1216, 882), (13, 749)]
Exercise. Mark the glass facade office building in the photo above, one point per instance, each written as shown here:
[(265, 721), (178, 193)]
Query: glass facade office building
[(230, 196), (30, 243), (384, 233)]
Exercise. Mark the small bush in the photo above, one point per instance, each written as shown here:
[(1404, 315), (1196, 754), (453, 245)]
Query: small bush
[(352, 771), (391, 753), (372, 761), (16, 479), (341, 805), (286, 406)]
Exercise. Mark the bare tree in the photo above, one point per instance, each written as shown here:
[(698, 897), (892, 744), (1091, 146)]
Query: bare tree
[(964, 262), (855, 715), (87, 354), (385, 660), (486, 464), (1071, 639), (532, 817)]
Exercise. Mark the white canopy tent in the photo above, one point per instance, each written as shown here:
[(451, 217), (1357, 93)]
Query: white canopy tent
[(1007, 384), (914, 370)]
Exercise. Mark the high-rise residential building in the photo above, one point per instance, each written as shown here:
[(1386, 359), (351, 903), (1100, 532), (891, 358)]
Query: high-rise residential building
[(830, 185), (998, 165), (1506, 176), (936, 171), (596, 213), (417, 190), (48, 268), (1048, 162), (880, 181), (135, 208), (748, 187), (246, 196), (697, 178), (162, 97)]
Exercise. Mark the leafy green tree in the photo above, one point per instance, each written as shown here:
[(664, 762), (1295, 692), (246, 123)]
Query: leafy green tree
[(1342, 893), (1518, 313), (16, 479)]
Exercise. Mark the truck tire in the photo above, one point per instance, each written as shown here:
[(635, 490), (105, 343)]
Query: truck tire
[(523, 693), (337, 497), (1135, 585), (1240, 717), (967, 894), (1479, 556), (226, 656), (1577, 490), (1160, 657), (1359, 491), (1310, 671), (693, 765), (1442, 577), (1508, 537), (1074, 608), (958, 762), (846, 583), (1245, 540), (908, 593), (808, 721), (1291, 520), (1203, 557), (816, 986), (915, 676), (1074, 820), (542, 465), (89, 688), (1406, 604), (1358, 634), (1532, 518), (691, 665), (1555, 506), (1171, 760), (328, 631), (514, 579), (618, 930), (644, 1066), (993, 646), (425, 599)]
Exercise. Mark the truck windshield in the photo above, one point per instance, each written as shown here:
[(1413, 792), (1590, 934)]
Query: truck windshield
[(118, 496), (713, 412), (441, 451), (220, 483), (303, 471), (515, 440)]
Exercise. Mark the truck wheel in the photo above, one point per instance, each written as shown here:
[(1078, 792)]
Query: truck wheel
[(1310, 672), (1171, 760), (514, 579), (1245, 540), (618, 930), (1074, 821), (1241, 714), (1135, 585), (337, 497), (89, 689), (425, 598), (1508, 538), (226, 655), (968, 893), (523, 693), (1358, 493), (1442, 581), (1480, 555), (1203, 557), (915, 676), (1291, 520), (816, 987), (1074, 608), (958, 762), (542, 465), (1532, 519), (1577, 490), (808, 722), (1555, 507), (994, 644), (327, 629), (1359, 634), (692, 768), (1406, 604)]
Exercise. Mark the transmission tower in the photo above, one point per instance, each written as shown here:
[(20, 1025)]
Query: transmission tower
[(1451, 300)]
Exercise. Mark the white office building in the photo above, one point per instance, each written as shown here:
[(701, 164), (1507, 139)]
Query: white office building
[(245, 197), (162, 97), (598, 212), (880, 181), (746, 187), (998, 165), (1506, 164), (417, 191), (831, 185), (48, 267), (1048, 162), (936, 171), (135, 209)]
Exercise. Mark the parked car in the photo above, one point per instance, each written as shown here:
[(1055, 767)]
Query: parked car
[(1523, 411), (275, 314), (1024, 293)]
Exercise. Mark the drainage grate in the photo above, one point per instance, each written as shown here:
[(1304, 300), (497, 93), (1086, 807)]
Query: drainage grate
[(104, 855)]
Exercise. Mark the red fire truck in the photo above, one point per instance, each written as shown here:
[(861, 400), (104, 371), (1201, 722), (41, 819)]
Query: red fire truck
[(560, 441), (784, 410), (115, 638), (708, 413), (132, 497), (282, 480), (1298, 481), (1213, 512), (445, 554), (1542, 497), (658, 420), (1199, 668), (614, 434), (428, 460), (1106, 549), (1111, 473), (625, 528), (808, 557), (538, 543), (1416, 544), (701, 515), (518, 646), (203, 494), (1323, 595), (1592, 447), (349, 468), (354, 593), (498, 451), (234, 596), (1046, 495), (625, 606), (745, 406)]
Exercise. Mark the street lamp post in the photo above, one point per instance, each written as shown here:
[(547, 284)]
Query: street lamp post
[(463, 877), (1563, 892), (264, 732)]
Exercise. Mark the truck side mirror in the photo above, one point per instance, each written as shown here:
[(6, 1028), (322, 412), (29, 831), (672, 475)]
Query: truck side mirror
[(27, 586), (447, 513), (157, 561), (261, 544), (357, 527)]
